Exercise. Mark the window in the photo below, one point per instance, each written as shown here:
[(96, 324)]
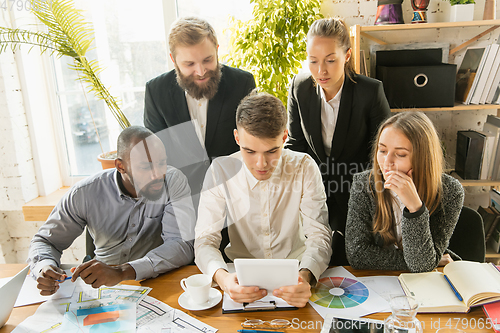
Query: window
[(130, 45), (217, 13)]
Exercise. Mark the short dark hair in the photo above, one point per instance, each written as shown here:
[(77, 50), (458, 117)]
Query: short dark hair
[(261, 115), (127, 139)]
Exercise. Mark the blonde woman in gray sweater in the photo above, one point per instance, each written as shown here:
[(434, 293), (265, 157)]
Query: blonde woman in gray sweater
[(403, 211)]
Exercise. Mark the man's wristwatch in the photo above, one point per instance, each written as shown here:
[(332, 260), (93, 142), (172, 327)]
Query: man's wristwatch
[(310, 277)]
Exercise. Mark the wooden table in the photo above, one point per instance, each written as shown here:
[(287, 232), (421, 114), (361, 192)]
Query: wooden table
[(167, 289)]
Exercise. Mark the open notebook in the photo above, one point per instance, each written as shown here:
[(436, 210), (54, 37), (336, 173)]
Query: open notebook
[(8, 294), (476, 283)]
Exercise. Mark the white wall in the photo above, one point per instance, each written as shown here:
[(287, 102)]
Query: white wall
[(448, 123), (17, 176)]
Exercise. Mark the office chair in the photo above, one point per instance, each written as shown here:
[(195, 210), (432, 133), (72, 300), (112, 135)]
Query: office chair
[(467, 240), (223, 243)]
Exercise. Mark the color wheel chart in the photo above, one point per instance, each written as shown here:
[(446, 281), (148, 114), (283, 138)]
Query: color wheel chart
[(339, 293)]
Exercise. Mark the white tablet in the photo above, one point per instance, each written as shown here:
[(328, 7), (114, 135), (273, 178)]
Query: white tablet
[(269, 274)]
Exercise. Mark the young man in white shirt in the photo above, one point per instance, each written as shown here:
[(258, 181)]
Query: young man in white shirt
[(191, 108), (139, 214), (274, 202)]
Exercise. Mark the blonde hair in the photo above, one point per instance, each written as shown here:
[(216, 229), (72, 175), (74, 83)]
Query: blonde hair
[(188, 31), (427, 168), (337, 29)]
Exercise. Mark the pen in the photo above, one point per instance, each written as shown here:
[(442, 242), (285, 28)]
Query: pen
[(495, 267), (453, 288), (67, 278), (259, 331)]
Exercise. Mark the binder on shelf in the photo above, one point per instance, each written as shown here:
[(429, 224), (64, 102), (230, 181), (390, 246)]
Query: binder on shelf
[(495, 199), (492, 312), (466, 73), (491, 75), (268, 303), (484, 75), (362, 60), (478, 74), (470, 146), (494, 239), (488, 154), (416, 77)]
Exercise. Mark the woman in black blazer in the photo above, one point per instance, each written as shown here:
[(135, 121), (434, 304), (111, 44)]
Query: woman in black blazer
[(334, 114)]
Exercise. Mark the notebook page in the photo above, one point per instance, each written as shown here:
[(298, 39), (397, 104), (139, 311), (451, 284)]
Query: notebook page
[(471, 278)]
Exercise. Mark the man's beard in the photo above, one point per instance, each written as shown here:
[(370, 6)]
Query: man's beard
[(152, 195), (207, 89)]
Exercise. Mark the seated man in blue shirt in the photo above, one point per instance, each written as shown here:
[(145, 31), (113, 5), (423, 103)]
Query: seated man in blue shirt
[(140, 216)]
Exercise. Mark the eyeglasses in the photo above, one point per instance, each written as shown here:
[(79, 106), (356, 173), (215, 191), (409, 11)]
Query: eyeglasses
[(273, 324)]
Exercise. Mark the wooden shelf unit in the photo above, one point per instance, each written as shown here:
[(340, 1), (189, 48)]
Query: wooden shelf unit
[(40, 208), (491, 255), (470, 182)]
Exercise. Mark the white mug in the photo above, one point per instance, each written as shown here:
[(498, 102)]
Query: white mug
[(197, 287)]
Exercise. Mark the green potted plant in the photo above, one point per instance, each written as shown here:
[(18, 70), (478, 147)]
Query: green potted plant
[(67, 34), (272, 45), (461, 10)]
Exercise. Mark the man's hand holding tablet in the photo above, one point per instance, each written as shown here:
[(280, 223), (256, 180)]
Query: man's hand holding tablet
[(299, 294), (255, 278)]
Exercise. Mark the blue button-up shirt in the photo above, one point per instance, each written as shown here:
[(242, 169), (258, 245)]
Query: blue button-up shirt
[(152, 236)]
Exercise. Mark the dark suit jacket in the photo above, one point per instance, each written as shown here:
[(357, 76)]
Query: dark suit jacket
[(165, 106), (363, 106), (166, 113)]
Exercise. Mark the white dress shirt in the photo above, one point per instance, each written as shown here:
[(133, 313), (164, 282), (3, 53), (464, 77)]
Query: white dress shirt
[(198, 112), (329, 115), (283, 217), (152, 236)]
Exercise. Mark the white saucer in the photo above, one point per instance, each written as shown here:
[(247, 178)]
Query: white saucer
[(214, 298)]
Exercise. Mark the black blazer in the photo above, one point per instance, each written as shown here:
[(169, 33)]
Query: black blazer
[(363, 106), (165, 106)]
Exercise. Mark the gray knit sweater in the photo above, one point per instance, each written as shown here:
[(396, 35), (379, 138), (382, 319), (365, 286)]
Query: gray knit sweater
[(425, 238)]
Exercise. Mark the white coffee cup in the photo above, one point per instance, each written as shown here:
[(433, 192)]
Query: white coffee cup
[(197, 287)]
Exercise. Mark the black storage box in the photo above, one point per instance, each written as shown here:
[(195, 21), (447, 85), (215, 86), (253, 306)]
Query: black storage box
[(416, 78), (419, 86)]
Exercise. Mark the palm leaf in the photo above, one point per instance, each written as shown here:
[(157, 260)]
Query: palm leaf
[(14, 38), (88, 72), (65, 23)]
